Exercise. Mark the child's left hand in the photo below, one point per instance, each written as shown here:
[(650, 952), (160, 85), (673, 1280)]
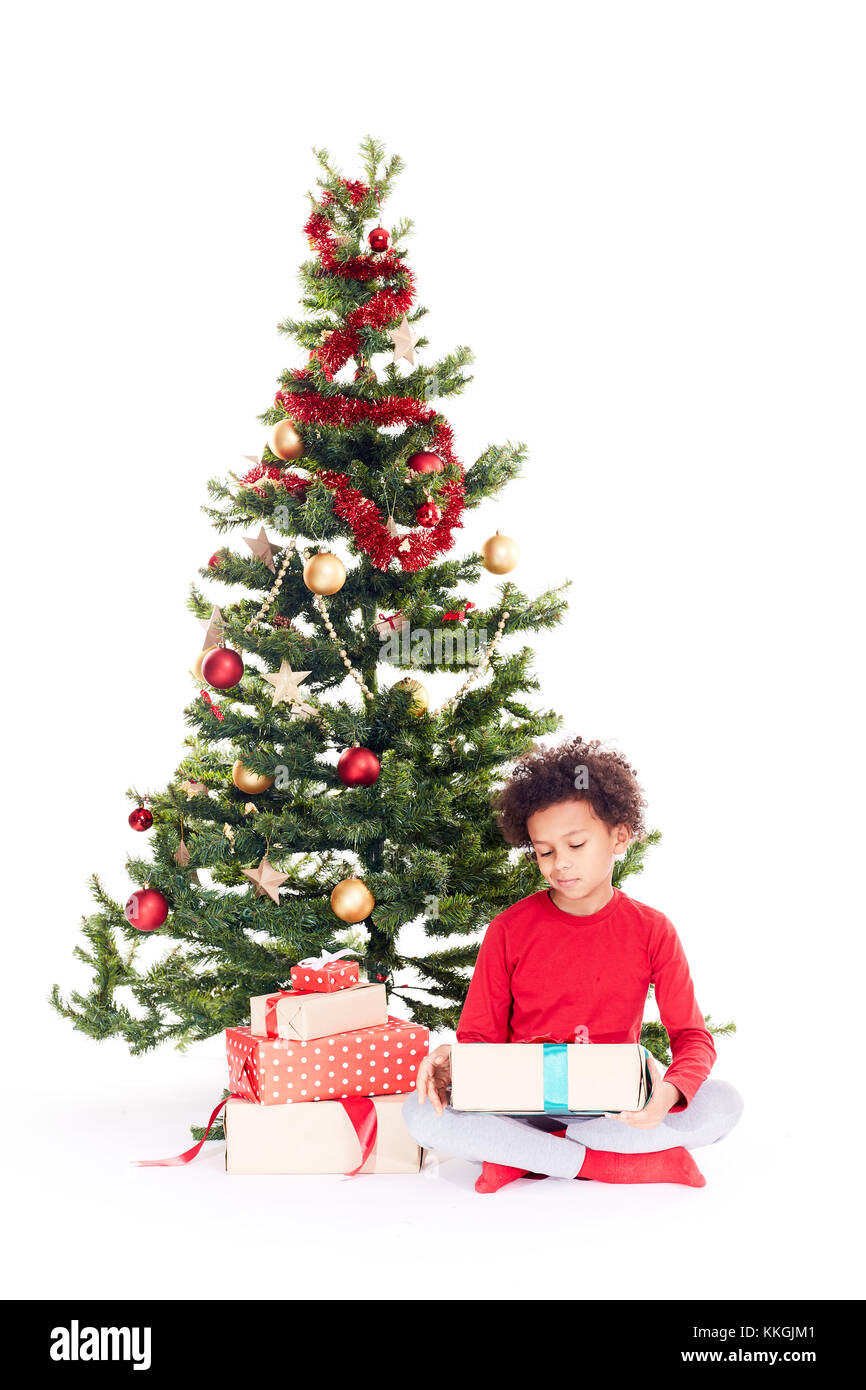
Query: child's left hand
[(664, 1095)]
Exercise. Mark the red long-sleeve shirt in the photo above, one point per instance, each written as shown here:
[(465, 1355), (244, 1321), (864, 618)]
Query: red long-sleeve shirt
[(542, 972)]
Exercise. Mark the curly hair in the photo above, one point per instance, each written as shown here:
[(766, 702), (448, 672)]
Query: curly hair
[(548, 775)]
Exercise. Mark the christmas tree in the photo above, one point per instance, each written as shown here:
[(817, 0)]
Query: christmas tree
[(321, 800)]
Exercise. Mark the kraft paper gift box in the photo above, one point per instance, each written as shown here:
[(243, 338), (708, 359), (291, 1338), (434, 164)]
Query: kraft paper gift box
[(376, 1061), (393, 623), (298, 1015), (316, 1139), (531, 1078), (329, 978)]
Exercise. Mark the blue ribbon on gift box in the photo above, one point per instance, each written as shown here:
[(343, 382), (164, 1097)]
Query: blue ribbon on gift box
[(555, 1076)]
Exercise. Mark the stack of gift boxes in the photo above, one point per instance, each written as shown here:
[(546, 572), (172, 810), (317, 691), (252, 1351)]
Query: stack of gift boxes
[(319, 1078)]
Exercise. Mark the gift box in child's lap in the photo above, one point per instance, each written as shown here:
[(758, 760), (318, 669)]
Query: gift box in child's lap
[(299, 1015), (379, 1061), (316, 1139), (530, 1078)]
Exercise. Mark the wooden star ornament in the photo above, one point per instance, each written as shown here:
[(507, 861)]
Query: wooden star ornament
[(266, 880), (263, 549), (214, 630), (404, 341), (286, 683), (302, 710), (393, 530)]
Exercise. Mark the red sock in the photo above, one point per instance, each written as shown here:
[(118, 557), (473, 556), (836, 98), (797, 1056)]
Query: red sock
[(670, 1165), (496, 1175)]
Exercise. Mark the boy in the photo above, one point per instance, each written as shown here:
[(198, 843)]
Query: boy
[(575, 960)]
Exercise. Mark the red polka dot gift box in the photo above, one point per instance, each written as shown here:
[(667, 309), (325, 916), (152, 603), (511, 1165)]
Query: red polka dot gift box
[(325, 974), (382, 1060)]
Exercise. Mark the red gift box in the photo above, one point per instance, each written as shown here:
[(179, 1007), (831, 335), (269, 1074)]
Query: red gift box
[(381, 1060), (325, 974)]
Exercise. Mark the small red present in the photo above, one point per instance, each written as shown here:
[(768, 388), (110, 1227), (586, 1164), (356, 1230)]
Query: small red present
[(457, 615), (326, 973), (381, 1060)]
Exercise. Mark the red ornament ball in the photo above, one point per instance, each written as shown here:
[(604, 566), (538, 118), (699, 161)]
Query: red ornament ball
[(141, 818), (425, 463), (358, 767), (147, 909), (215, 561), (427, 514), (222, 668), (379, 239)]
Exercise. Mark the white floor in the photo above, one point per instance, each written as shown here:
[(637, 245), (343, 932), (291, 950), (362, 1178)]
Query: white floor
[(84, 1222)]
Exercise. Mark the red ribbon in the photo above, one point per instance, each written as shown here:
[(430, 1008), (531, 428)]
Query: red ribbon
[(189, 1154), (362, 1114), (271, 1008), (390, 621), (214, 709), (271, 1012), (360, 1110)]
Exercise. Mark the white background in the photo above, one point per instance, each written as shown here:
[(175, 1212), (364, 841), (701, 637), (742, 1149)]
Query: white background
[(648, 221)]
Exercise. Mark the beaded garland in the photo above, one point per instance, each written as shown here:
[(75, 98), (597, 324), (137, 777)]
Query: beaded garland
[(319, 603)]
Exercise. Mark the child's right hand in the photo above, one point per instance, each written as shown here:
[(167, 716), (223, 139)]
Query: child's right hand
[(434, 1078)]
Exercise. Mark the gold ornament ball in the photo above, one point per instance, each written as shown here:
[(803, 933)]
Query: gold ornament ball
[(325, 573), (285, 441), (352, 900), (250, 782), (500, 554), (196, 666), (420, 696)]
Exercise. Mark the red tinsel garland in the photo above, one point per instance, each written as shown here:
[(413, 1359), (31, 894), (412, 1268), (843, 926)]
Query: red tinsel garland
[(382, 308), (350, 504), (365, 519)]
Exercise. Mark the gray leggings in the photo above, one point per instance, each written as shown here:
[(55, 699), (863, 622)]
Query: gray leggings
[(522, 1141)]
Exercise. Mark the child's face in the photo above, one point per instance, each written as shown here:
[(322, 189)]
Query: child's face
[(575, 850)]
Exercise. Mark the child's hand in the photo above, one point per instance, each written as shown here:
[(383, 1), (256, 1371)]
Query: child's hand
[(434, 1078), (664, 1095)]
